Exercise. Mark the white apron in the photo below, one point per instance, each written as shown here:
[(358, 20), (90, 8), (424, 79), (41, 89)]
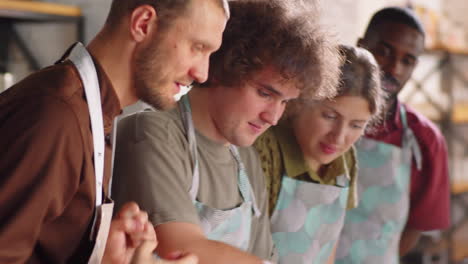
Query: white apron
[(372, 231), (83, 62), (229, 226), (308, 219)]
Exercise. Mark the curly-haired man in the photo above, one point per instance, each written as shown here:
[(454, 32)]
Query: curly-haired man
[(193, 169)]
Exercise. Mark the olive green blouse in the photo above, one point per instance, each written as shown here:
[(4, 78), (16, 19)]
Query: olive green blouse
[(280, 154)]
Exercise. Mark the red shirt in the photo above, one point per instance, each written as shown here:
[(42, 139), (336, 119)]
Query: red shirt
[(429, 193)]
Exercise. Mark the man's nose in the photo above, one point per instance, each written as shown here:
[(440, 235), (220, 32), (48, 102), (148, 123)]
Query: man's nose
[(199, 71), (273, 113), (393, 67)]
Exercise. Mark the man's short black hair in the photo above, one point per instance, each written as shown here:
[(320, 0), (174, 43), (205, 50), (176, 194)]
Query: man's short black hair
[(395, 14)]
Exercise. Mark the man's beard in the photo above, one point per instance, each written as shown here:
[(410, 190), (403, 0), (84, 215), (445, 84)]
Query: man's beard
[(391, 86), (151, 84)]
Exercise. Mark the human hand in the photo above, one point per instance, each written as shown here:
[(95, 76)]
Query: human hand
[(128, 230)]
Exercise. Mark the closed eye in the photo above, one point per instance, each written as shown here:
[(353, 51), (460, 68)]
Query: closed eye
[(329, 116), (263, 93), (358, 125), (199, 47)]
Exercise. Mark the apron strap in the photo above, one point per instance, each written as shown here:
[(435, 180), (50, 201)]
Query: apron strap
[(409, 139), (139, 106), (113, 140), (244, 184), (186, 114), (85, 66), (344, 179)]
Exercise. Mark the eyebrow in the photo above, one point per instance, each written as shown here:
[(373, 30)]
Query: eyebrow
[(270, 88), (332, 109), (338, 113), (359, 121), (388, 45), (207, 45)]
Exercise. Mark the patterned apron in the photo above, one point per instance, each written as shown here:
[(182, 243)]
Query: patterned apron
[(229, 226), (83, 62), (372, 231), (308, 219)]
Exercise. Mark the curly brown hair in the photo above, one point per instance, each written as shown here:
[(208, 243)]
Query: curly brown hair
[(268, 33), (166, 9)]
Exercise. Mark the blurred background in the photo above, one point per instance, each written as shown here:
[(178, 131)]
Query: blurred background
[(34, 34)]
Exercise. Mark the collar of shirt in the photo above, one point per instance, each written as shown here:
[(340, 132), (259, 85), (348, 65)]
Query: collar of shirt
[(109, 100), (295, 164), (392, 124)]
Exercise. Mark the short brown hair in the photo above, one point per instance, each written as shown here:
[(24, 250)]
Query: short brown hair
[(166, 9), (360, 76), (263, 33)]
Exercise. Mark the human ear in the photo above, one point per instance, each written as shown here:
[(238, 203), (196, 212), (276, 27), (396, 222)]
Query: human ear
[(142, 22)]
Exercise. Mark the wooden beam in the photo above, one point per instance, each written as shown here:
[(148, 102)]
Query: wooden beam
[(40, 7)]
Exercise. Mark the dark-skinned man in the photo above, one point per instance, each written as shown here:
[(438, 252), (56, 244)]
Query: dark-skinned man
[(404, 183)]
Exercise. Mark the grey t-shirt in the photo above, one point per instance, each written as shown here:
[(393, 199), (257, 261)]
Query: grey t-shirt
[(153, 168)]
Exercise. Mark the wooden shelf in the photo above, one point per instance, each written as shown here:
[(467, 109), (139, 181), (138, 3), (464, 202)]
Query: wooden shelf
[(460, 113), (29, 11), (37, 11), (459, 187), (453, 50)]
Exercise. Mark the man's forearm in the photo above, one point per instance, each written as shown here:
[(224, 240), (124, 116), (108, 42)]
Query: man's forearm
[(189, 238), (409, 239), (210, 251)]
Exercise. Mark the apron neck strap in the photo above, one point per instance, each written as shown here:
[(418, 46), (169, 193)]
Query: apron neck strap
[(404, 119), (344, 179), (409, 139), (243, 180), (85, 66), (186, 115)]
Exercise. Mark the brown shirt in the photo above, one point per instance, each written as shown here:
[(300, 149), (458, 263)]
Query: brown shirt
[(47, 184)]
